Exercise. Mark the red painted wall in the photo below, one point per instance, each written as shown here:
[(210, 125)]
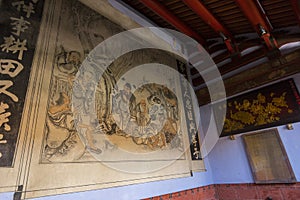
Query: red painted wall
[(237, 192), (201, 193)]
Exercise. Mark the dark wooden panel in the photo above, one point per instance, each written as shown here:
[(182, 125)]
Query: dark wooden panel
[(257, 76), (266, 107)]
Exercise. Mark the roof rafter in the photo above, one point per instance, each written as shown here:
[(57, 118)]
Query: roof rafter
[(211, 20), (296, 7), (259, 21), (164, 13)]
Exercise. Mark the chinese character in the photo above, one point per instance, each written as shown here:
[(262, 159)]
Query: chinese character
[(186, 94), (181, 67), (192, 127), (184, 84), (19, 46), (10, 67), (194, 140), (4, 116), (28, 9), (196, 154), (8, 41), (2, 141), (11, 44), (20, 25), (188, 104), (18, 5), (6, 84), (190, 115)]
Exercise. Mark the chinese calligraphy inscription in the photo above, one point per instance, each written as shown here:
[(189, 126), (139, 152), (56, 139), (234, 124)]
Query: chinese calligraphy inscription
[(20, 22), (190, 118)]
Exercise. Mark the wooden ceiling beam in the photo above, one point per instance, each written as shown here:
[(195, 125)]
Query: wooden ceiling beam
[(296, 8), (210, 19), (168, 16), (259, 21), (254, 14)]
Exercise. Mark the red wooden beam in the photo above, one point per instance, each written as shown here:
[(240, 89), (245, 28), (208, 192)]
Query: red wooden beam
[(207, 16), (210, 19), (164, 13), (296, 7), (254, 14), (259, 21)]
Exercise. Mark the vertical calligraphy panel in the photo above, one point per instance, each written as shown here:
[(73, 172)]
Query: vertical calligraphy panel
[(19, 24), (191, 122)]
